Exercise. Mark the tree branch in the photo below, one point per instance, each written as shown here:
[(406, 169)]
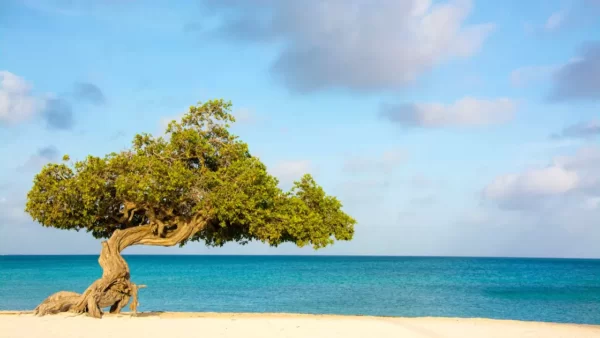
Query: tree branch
[(127, 214)]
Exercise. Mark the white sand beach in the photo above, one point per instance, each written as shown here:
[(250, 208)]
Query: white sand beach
[(176, 325)]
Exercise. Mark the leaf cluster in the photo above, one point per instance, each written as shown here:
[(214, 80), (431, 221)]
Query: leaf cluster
[(197, 170)]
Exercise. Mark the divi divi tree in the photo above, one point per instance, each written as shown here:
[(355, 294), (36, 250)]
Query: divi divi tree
[(198, 182)]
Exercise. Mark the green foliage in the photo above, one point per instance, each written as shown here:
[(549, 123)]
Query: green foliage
[(197, 170)]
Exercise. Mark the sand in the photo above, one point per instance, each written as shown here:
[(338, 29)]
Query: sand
[(175, 325)]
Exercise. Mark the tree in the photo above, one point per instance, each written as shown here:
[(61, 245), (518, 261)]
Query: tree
[(197, 183)]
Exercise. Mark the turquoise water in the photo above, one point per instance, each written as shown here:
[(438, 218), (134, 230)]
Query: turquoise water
[(525, 289)]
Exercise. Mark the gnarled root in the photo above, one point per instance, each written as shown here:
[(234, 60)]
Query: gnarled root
[(98, 296), (61, 301), (114, 289)]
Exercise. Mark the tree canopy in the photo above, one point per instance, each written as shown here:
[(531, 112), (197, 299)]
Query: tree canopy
[(197, 173)]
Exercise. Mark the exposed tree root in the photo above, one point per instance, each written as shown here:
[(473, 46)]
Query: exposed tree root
[(114, 289)]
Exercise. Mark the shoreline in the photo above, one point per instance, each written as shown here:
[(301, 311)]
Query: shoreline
[(187, 314), (270, 325), (154, 324)]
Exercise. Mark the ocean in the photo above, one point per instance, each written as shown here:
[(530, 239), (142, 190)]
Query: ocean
[(553, 290)]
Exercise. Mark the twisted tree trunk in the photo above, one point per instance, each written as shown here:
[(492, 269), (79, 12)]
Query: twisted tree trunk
[(115, 289)]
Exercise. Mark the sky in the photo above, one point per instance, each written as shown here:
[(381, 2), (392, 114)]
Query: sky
[(446, 128)]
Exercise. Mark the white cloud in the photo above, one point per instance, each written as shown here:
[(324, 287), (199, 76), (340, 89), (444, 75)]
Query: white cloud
[(539, 212), (289, 171), (553, 180), (567, 180), (332, 43), (555, 21), (467, 111), (17, 103)]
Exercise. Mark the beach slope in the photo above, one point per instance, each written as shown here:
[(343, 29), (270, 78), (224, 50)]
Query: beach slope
[(175, 325)]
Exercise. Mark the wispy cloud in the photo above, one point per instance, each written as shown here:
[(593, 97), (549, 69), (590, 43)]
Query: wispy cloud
[(467, 111), (586, 129), (89, 92), (382, 163), (555, 21), (41, 157), (524, 76), (58, 114)]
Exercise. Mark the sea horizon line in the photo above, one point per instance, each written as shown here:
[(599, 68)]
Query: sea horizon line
[(310, 255)]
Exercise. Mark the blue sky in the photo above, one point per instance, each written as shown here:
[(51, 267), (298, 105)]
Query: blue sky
[(445, 127)]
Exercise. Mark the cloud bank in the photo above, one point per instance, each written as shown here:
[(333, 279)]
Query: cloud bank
[(579, 80), (353, 44)]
